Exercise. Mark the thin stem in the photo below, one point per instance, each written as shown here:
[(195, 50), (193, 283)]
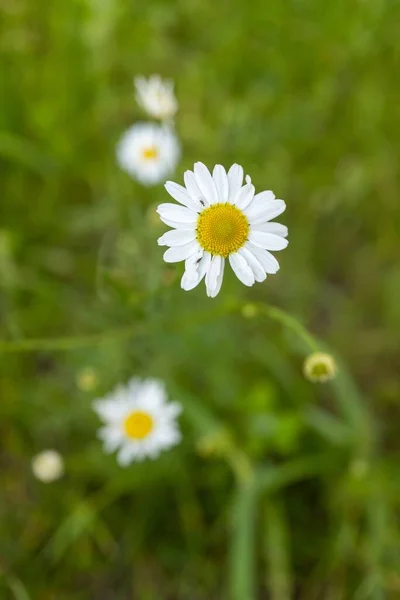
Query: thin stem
[(279, 315)]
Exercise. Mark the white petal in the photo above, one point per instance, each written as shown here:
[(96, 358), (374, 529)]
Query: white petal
[(259, 203), (235, 180), (112, 437), (180, 214), (272, 227), (262, 214), (192, 276), (179, 253), (244, 196), (220, 277), (171, 411), (269, 241), (127, 454), (266, 196), (241, 269), (212, 274), (177, 237), (267, 260), (180, 194), (205, 183), (221, 182), (177, 224), (254, 264), (193, 189)]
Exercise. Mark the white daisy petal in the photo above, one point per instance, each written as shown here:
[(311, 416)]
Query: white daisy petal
[(212, 274), (271, 227), (180, 194), (267, 260), (111, 437), (193, 275), (254, 264), (221, 182), (177, 224), (177, 237), (262, 214), (259, 203), (241, 269), (126, 455), (220, 277), (193, 189), (235, 180), (205, 182), (244, 196), (180, 214), (178, 253), (269, 241)]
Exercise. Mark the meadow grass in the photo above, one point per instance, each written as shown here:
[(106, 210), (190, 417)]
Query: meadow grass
[(281, 488)]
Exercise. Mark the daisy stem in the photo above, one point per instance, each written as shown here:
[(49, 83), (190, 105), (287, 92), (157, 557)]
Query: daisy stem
[(240, 465), (277, 314)]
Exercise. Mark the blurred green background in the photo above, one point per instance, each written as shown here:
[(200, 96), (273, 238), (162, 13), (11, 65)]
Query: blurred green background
[(281, 488)]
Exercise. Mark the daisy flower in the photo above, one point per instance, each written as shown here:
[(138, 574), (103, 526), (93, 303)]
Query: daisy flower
[(156, 96), (221, 219), (148, 152), (139, 422), (48, 466)]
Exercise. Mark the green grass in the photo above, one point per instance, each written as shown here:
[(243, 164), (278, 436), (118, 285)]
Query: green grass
[(281, 489)]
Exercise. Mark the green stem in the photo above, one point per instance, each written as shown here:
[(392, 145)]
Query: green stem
[(244, 513), (290, 322)]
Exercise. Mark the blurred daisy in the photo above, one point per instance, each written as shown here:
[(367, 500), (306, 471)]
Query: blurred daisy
[(148, 152), (221, 219), (138, 421), (48, 466), (320, 367), (156, 96)]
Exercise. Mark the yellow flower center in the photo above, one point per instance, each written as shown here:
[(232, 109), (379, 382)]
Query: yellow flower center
[(222, 229), (138, 425), (150, 153)]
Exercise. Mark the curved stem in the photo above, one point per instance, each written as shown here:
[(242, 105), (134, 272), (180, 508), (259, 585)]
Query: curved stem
[(279, 315)]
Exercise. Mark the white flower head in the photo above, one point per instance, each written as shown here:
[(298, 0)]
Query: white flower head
[(139, 421), (148, 152), (156, 96), (48, 466), (221, 219)]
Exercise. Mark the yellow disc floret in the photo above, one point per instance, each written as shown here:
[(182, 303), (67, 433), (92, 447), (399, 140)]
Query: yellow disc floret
[(222, 229), (138, 425), (150, 153)]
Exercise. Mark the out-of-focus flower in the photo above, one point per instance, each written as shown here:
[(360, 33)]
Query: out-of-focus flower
[(156, 96), (148, 152), (86, 379), (139, 421), (48, 466), (221, 219), (320, 367)]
